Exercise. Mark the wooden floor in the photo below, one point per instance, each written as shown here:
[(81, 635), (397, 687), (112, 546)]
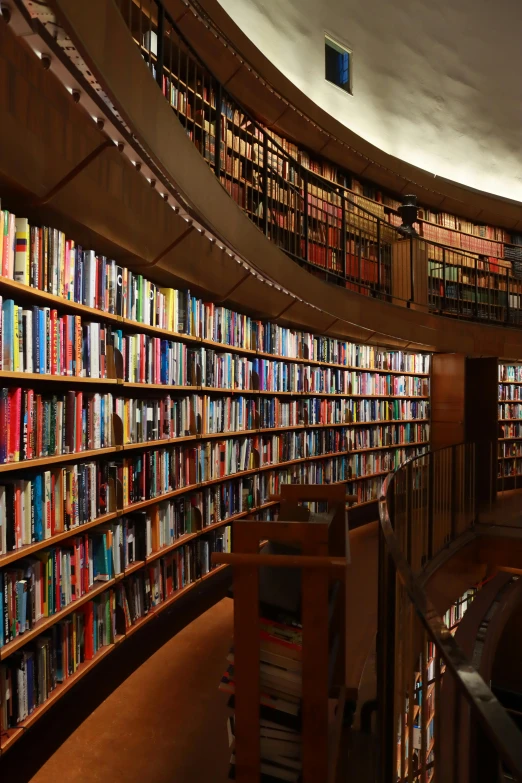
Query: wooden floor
[(165, 721)]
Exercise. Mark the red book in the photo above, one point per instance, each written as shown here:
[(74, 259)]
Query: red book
[(78, 344), (55, 370), (39, 426), (69, 344), (14, 418), (30, 428), (63, 347), (70, 421), (4, 428)]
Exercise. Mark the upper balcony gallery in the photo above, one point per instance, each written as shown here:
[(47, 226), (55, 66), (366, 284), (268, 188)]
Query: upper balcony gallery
[(341, 228)]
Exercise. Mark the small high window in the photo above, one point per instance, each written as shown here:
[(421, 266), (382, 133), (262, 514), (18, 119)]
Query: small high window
[(338, 64)]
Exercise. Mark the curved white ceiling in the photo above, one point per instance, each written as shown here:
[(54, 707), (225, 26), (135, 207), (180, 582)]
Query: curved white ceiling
[(435, 83)]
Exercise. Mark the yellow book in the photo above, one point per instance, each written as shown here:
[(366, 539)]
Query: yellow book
[(22, 245), (168, 293)]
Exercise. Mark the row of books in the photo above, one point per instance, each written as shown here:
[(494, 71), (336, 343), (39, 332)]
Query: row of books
[(508, 450), (511, 430), (148, 359), (507, 391), (66, 346), (38, 340), (509, 372), (28, 677), (447, 220), (509, 410), (159, 471), (508, 468), (36, 508), (377, 383), (49, 262), (392, 435), (35, 425), (147, 419), (466, 242), (53, 501), (42, 585)]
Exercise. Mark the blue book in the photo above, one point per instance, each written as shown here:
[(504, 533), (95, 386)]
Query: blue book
[(102, 565), (41, 340), (38, 503), (8, 335), (36, 347), (21, 604)]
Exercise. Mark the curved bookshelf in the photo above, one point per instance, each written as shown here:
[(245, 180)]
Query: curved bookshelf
[(197, 504)]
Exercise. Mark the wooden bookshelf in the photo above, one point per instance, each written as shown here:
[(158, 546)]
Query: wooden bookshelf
[(8, 738), (508, 370), (242, 341)]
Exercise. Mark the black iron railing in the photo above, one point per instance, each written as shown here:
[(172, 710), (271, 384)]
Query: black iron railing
[(426, 505), (346, 239)]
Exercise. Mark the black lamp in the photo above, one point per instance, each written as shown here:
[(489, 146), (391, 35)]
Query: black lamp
[(408, 213)]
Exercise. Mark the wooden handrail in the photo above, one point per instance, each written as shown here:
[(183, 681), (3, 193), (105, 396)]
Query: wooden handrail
[(337, 564)]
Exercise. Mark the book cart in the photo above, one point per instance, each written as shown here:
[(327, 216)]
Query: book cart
[(322, 562)]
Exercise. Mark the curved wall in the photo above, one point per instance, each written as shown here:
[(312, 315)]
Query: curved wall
[(435, 84), (336, 311)]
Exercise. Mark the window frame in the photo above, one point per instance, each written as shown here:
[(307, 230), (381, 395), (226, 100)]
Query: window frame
[(337, 44)]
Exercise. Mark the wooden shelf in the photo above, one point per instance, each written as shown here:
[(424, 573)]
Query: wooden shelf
[(151, 444), (28, 464), (12, 735), (164, 386), (74, 379), (26, 550)]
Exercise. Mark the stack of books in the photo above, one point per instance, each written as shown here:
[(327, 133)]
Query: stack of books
[(280, 676)]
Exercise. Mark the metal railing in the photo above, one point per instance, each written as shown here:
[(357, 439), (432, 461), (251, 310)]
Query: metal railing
[(426, 505), (339, 236)]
